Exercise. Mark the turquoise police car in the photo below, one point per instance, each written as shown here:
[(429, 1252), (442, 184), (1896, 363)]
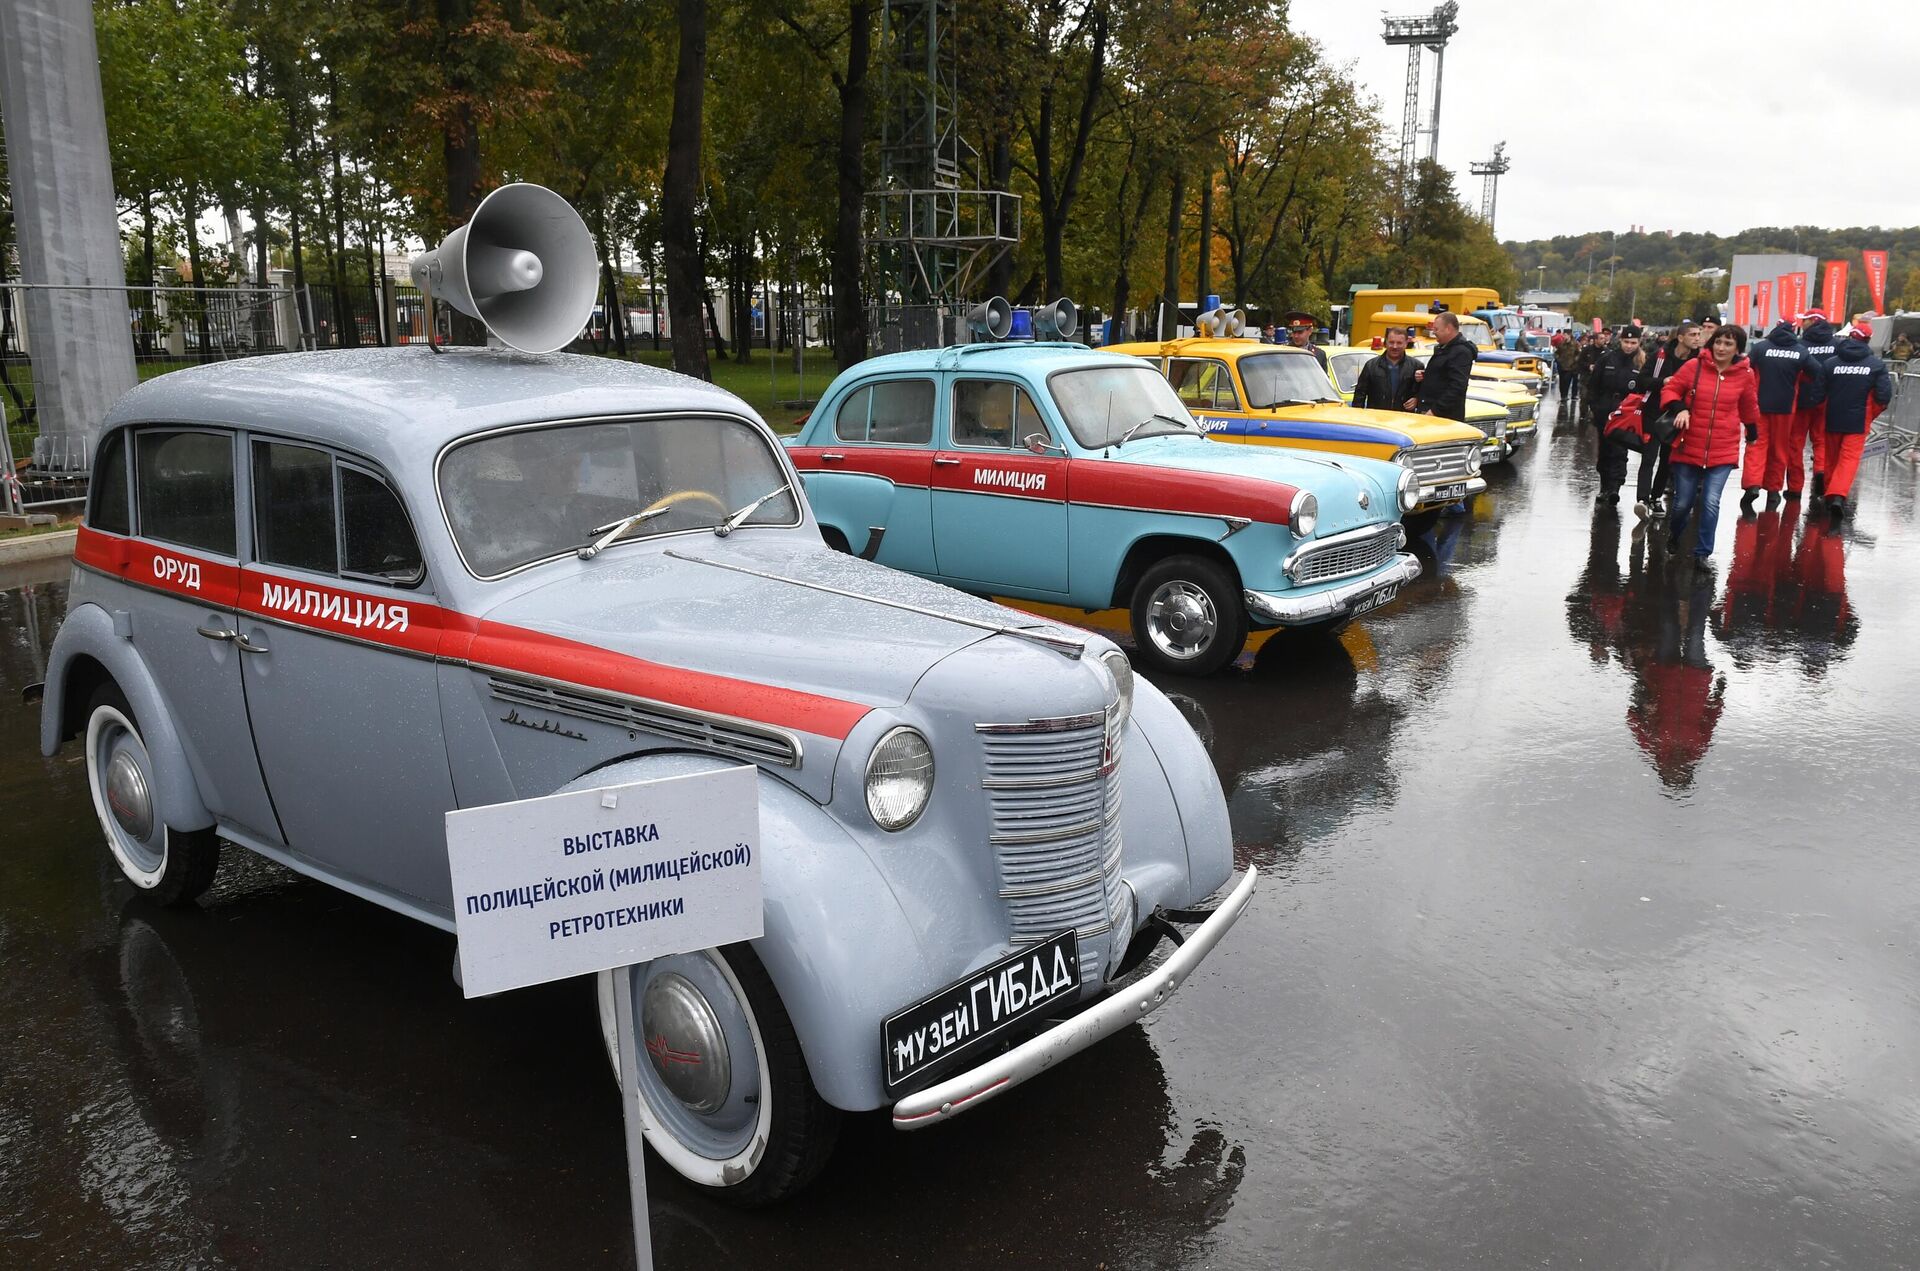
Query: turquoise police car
[(1051, 475)]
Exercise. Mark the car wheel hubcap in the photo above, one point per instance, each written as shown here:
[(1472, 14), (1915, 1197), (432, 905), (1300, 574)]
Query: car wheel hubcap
[(127, 796), (685, 1043), (1181, 620)]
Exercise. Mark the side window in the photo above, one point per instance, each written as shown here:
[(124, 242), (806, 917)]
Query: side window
[(851, 423), (375, 535), (1203, 384), (293, 507), (903, 413), (110, 510), (993, 414), (183, 484)]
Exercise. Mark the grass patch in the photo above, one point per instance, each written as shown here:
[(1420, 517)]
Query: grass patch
[(7, 535), (763, 387)]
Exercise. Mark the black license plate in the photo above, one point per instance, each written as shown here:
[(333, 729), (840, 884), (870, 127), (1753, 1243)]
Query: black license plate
[(1451, 492), (962, 1017), (1384, 596)]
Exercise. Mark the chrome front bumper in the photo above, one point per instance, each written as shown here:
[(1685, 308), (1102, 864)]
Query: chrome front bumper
[(1289, 610), (970, 1089), (1429, 493)]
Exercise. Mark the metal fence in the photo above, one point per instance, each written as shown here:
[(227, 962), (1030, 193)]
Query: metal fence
[(1898, 427)]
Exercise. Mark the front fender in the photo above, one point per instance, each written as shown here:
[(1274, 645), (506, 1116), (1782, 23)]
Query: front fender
[(853, 503), (88, 633), (836, 943), (1191, 789)]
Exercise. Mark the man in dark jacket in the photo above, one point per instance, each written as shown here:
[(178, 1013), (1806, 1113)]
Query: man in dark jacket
[(1592, 349), (1300, 329), (1386, 382), (1781, 361), (1849, 389), (1651, 484), (1809, 420), (1619, 373), (1443, 389), (1565, 354)]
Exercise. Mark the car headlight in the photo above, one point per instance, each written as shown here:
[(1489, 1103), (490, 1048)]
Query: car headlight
[(1304, 517), (899, 779), (1409, 489), (1473, 461), (1404, 457)]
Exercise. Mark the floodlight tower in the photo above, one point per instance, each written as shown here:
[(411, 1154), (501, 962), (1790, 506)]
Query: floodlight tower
[(1418, 31), (930, 228), (1491, 169)]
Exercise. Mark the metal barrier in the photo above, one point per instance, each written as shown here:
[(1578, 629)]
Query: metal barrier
[(1898, 427)]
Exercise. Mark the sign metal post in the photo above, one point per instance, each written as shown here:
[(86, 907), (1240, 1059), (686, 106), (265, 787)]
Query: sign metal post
[(607, 879)]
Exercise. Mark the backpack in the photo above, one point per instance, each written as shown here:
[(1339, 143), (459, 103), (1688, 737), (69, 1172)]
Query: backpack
[(1627, 423)]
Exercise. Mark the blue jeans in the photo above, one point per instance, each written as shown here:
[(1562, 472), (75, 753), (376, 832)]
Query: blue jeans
[(1693, 483)]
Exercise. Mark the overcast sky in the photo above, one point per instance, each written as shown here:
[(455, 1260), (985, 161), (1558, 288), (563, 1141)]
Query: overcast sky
[(1731, 116)]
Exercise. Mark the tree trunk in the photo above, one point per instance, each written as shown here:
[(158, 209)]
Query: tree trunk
[(1000, 177), (1203, 274), (680, 194), (849, 313), (190, 198), (262, 262), (146, 252), (1170, 277)]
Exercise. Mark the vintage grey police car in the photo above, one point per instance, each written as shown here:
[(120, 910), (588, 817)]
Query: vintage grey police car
[(322, 599)]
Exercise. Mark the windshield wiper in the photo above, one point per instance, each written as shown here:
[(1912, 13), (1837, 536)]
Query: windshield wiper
[(738, 518), (614, 529), (1127, 436)]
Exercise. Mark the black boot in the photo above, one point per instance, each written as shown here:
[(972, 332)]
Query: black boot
[(1791, 496), (1746, 500), (1773, 500), (1836, 508), (1819, 484)]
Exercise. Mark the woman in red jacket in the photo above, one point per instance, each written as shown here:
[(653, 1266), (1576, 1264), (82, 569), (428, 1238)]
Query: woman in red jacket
[(1720, 400)]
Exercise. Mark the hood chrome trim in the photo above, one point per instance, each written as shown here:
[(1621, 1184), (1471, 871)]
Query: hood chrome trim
[(1060, 644)]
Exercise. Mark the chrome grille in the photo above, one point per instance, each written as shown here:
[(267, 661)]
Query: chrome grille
[(1055, 830), (1344, 556), (1438, 465), (709, 732)]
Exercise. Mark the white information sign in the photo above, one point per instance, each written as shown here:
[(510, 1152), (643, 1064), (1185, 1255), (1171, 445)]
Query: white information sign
[(570, 884)]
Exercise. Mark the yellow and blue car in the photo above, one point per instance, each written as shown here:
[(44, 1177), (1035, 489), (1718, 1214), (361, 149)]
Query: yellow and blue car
[(1241, 390), (1504, 411)]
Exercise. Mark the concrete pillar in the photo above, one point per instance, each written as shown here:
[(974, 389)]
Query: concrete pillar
[(286, 318), (64, 217)]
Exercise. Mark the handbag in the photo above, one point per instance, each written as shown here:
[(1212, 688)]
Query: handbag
[(1660, 427)]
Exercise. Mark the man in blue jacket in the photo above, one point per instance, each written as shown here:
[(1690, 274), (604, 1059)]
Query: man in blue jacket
[(1816, 333), (1850, 389), (1781, 361)]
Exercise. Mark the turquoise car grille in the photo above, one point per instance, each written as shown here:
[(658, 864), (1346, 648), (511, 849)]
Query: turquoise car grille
[(1053, 794), (1345, 557)]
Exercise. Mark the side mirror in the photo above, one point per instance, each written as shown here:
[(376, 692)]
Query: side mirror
[(1041, 444)]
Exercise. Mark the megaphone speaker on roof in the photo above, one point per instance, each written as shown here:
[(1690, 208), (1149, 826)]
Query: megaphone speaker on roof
[(992, 318), (1057, 321), (523, 265), (1236, 322)]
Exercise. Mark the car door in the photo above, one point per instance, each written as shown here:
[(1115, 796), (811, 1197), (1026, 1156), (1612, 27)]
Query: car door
[(999, 509), (184, 555), (884, 429), (341, 683)]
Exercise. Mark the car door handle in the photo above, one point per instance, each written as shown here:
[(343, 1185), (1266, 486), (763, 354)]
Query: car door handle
[(216, 633), (250, 646), (944, 461), (831, 458)]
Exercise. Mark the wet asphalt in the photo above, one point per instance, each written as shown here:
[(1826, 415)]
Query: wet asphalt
[(1588, 939)]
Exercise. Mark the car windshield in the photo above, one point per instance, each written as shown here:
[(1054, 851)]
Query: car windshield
[(1346, 368), (1276, 378), (528, 495), (1103, 404), (1476, 331)]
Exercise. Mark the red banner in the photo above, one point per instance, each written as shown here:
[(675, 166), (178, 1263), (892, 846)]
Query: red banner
[(1783, 291), (1765, 302), (1876, 279), (1742, 306), (1801, 284), (1833, 291), (1596, 326)]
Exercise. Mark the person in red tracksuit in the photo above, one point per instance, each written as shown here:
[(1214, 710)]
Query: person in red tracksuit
[(1719, 398), (1809, 421), (1852, 387), (1781, 361)]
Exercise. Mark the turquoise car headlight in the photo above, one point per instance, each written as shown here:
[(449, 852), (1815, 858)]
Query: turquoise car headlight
[(1304, 517), (1409, 490), (899, 779)]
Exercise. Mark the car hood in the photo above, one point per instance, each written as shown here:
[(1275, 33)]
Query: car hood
[(1335, 480), (1419, 430), (757, 608)]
